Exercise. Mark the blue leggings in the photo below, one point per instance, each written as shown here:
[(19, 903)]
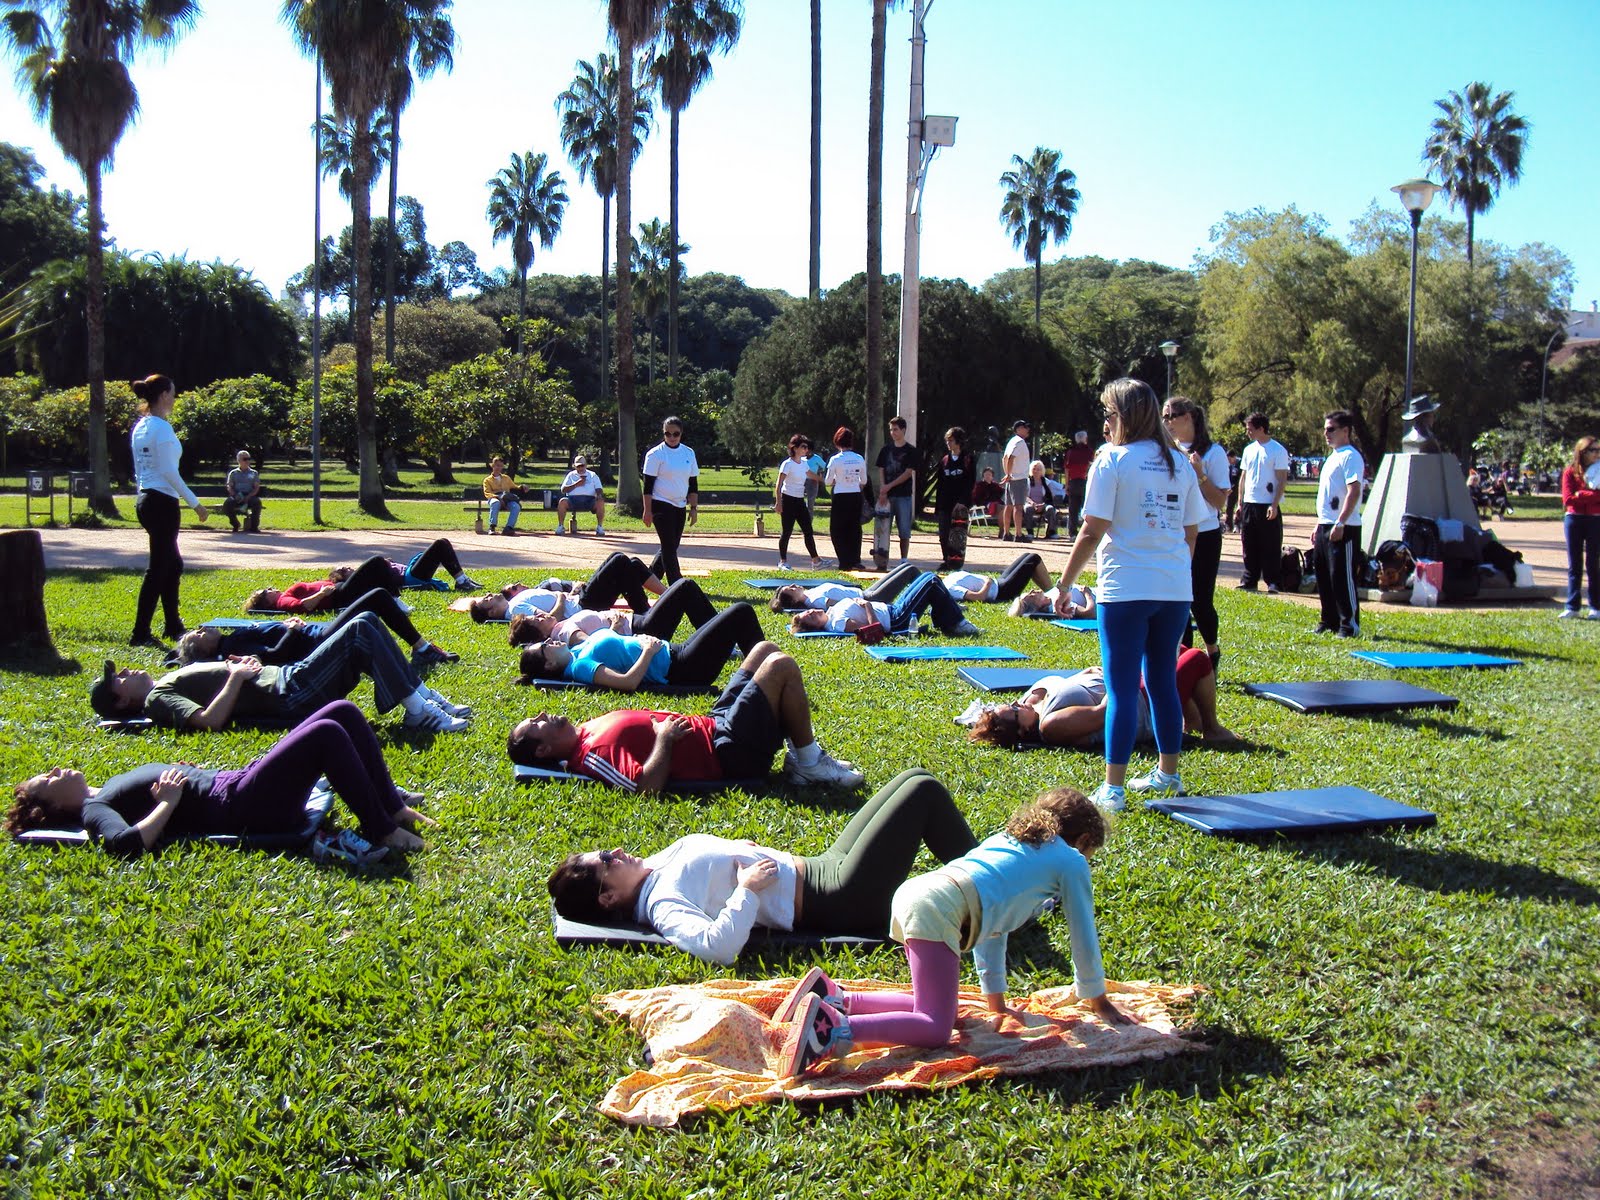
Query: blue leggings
[(1137, 634)]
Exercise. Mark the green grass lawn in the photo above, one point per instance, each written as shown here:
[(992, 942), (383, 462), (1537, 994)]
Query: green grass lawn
[(1381, 1010)]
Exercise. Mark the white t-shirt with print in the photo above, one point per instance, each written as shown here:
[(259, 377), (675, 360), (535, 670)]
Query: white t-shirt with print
[(792, 478), (846, 473), (673, 467), (1340, 469), (1258, 471), (1214, 465), (1145, 554), (856, 610)]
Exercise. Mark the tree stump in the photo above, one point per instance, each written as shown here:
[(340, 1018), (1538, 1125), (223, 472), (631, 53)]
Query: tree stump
[(23, 621)]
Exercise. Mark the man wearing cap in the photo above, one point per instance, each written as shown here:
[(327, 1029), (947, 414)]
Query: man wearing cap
[(1014, 482), (244, 494), (208, 695), (580, 492)]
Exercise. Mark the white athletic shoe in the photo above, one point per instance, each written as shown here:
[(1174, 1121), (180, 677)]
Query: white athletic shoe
[(434, 719), (449, 706), (827, 771), (965, 629)]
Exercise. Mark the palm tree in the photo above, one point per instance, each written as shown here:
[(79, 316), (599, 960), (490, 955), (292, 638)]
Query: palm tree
[(526, 201), (588, 110), (1476, 147), (73, 56), (656, 255), (1041, 200), (432, 48), (815, 288), (633, 23), (360, 42), (691, 32)]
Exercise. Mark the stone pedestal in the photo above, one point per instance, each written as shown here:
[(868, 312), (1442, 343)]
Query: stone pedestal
[(1424, 485)]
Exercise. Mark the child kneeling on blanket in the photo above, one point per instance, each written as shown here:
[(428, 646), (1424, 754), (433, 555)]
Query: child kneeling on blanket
[(971, 903)]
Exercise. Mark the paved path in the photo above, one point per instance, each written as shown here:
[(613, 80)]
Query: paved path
[(299, 555)]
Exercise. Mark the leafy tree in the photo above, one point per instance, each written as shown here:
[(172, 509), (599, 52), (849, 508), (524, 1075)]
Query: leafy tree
[(36, 226), (458, 268), (56, 425), (74, 56), (589, 113), (1040, 202), (526, 201), (215, 422), (656, 261), (398, 410), (418, 275), (432, 336), (1476, 147), (516, 402), (691, 32), (633, 23)]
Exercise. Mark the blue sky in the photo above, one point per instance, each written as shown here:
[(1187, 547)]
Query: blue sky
[(1172, 114)]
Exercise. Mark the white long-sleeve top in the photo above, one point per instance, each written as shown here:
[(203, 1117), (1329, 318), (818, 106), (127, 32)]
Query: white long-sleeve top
[(156, 451), (693, 899)]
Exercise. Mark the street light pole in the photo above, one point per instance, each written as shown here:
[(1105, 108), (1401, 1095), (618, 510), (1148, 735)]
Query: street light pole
[(1415, 196), (316, 308), (1170, 349)]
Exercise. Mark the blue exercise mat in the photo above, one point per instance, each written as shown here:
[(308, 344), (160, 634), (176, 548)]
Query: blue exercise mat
[(1343, 809), (251, 622), (660, 689), (524, 774), (1351, 696), (944, 653), (1078, 624), (1402, 660), (842, 633), (579, 933), (1007, 679), (772, 585)]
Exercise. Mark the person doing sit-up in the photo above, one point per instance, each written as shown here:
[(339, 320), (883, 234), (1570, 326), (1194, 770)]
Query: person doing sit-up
[(639, 750)]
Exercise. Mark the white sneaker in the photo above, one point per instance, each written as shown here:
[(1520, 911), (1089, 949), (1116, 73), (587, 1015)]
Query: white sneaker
[(449, 706), (783, 566), (827, 771), (1591, 615), (965, 629), (1112, 799), (599, 531), (434, 719), (560, 528)]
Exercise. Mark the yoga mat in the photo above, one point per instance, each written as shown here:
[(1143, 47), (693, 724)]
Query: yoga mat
[(127, 724), (659, 689), (1008, 679), (772, 585), (1404, 661), (529, 774), (626, 933), (944, 653), (1078, 624), (841, 633), (1342, 809), (317, 805), (1350, 696)]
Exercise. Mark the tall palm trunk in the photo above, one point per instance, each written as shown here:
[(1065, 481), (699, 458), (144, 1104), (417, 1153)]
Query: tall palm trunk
[(1470, 215), (371, 481), (522, 306), (874, 413), (605, 308), (672, 269), (95, 319), (389, 251), (816, 150), (1038, 282), (629, 489)]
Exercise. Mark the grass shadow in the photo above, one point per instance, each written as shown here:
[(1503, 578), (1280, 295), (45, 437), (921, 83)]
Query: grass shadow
[(32, 659), (1449, 872), (1440, 726), (1493, 649)]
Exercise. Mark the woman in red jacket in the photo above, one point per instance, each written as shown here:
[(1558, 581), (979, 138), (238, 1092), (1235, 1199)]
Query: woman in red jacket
[(1580, 496)]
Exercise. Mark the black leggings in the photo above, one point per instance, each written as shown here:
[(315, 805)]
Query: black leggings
[(374, 574), (1014, 579), (440, 553), (618, 575), (387, 609), (158, 513), (844, 529), (669, 521), (1203, 565), (682, 599), (848, 887), (701, 659), (794, 509)]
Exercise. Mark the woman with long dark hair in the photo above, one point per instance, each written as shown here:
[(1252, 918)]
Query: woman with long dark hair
[(789, 499), (156, 451), (952, 489), (846, 478), (1186, 422)]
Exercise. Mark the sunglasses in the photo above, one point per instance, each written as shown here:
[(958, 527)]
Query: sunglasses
[(672, 433), (606, 857)]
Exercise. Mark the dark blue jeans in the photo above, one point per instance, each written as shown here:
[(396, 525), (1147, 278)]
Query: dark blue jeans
[(925, 594), (1583, 554)]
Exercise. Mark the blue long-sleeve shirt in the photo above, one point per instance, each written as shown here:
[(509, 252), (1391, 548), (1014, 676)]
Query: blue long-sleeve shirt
[(1012, 880)]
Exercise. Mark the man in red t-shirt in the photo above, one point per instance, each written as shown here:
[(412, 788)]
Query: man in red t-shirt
[(641, 750), (1079, 458)]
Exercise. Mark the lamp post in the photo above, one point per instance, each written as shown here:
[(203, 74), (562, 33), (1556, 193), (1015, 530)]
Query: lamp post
[(1170, 349), (1415, 196)]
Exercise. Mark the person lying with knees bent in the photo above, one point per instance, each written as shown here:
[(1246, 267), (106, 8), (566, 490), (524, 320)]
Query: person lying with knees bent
[(925, 594), (278, 643), (639, 750), (1079, 605), (619, 576), (626, 662), (706, 894), (661, 620)]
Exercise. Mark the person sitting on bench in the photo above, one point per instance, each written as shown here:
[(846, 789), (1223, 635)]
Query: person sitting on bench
[(1070, 710), (345, 584), (640, 750), (580, 492), (683, 599), (618, 576), (926, 593), (1079, 605), (209, 695), (627, 662), (706, 894), (503, 495), (244, 494), (277, 643), (132, 812)]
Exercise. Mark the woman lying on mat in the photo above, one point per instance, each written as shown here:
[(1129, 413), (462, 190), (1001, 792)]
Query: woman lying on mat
[(971, 903), (1070, 710), (661, 620), (345, 584), (627, 662), (619, 576), (131, 812), (925, 594), (278, 643), (705, 894), (1079, 605)]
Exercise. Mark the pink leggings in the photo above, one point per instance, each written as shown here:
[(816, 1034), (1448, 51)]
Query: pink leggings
[(926, 1016)]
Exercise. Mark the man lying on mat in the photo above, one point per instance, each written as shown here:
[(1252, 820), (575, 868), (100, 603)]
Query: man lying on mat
[(764, 705), (705, 894)]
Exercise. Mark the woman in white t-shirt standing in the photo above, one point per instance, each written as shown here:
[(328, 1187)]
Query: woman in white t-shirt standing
[(671, 495), (1141, 512), (156, 451), (846, 476), (1186, 422), (789, 499)]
